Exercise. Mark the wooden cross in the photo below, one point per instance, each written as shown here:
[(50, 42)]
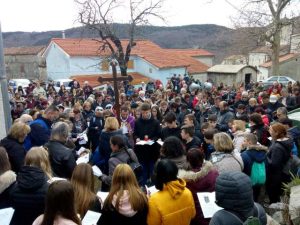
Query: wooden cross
[(115, 80)]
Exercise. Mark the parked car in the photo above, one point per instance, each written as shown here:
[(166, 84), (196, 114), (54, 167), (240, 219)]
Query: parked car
[(284, 80), (15, 83), (59, 82)]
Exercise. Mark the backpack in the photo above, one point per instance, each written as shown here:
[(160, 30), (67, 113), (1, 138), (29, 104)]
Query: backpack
[(251, 220), (258, 173), (137, 169)]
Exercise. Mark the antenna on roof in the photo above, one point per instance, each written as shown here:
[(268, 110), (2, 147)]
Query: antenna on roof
[(63, 35)]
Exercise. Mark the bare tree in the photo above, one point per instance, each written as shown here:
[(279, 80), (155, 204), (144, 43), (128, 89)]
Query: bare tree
[(98, 15), (272, 15)]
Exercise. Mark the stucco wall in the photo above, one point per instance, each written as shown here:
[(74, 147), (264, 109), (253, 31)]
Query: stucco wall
[(256, 59), (202, 77), (58, 64), (207, 60)]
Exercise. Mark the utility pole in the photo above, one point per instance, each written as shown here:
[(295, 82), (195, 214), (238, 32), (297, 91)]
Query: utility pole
[(5, 115)]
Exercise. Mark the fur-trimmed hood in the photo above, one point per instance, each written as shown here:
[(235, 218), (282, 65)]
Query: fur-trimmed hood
[(191, 175), (7, 179), (257, 148)]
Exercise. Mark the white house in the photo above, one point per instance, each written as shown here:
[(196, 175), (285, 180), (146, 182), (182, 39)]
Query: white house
[(74, 57)]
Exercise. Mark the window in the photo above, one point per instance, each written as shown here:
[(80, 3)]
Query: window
[(105, 65), (150, 70), (130, 64), (273, 79), (283, 79)]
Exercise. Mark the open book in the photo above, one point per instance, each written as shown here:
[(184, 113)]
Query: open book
[(207, 203)]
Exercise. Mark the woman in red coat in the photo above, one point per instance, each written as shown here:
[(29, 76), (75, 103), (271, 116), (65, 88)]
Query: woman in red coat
[(201, 178)]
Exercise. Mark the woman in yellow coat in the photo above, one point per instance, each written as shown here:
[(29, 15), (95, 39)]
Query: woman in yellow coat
[(173, 204)]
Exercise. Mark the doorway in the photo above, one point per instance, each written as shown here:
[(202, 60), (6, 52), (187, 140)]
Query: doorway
[(247, 78)]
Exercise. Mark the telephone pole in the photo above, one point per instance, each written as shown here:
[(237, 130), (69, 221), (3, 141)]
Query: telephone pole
[(5, 115)]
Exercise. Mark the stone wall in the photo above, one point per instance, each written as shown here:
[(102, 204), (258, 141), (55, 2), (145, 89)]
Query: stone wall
[(25, 66)]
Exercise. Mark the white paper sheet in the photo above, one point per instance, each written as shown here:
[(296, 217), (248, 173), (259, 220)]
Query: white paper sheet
[(151, 190), (97, 172), (6, 215), (102, 195), (207, 203), (145, 142), (83, 159), (91, 218)]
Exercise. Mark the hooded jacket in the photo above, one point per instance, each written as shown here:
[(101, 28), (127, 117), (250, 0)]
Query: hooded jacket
[(253, 153), (227, 161), (174, 205), (7, 179), (234, 194), (200, 180), (28, 195), (115, 159)]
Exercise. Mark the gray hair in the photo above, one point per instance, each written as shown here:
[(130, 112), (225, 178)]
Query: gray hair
[(60, 131), (282, 110)]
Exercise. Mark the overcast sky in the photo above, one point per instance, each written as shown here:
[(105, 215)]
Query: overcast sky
[(45, 15)]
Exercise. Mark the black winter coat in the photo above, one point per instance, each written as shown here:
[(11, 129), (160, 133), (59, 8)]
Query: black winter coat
[(62, 159), (28, 195), (15, 151), (152, 129), (112, 217)]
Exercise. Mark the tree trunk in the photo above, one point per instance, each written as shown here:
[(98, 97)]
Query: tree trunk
[(123, 69), (276, 53)]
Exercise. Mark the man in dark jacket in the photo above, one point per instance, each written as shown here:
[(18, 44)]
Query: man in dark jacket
[(62, 159), (41, 128), (147, 128), (234, 194), (224, 116)]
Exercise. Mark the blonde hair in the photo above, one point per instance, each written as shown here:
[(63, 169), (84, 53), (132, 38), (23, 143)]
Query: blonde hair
[(19, 131), (39, 157), (124, 180), (223, 143), (111, 124), (83, 183), (239, 125)]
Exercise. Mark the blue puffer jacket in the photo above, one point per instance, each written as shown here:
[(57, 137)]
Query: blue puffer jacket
[(103, 151), (234, 194), (254, 153)]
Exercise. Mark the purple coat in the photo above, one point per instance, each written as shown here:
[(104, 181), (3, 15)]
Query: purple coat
[(200, 180)]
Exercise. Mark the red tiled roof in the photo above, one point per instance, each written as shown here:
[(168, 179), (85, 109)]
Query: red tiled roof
[(281, 59), (157, 56), (33, 50), (93, 79), (193, 52)]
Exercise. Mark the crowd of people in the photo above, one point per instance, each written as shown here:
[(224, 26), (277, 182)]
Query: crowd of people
[(237, 141)]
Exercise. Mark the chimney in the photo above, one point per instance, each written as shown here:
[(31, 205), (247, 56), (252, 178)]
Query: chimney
[(63, 34)]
